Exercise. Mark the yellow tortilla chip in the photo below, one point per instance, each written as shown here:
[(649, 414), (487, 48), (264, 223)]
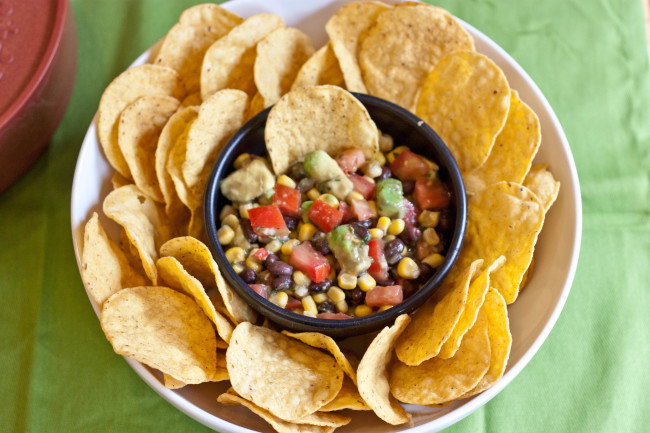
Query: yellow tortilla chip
[(105, 270), (465, 99), (513, 150), (163, 329), (256, 105), (196, 258), (347, 398), (433, 322), (229, 62), (280, 374), (126, 88), (139, 128), (174, 168), (117, 180), (345, 28), (373, 377), (279, 58), (186, 43), (503, 219), (321, 68), (475, 297), (320, 117), (437, 380), (542, 183), (172, 273), (403, 45), (220, 116), (144, 222), (191, 100)]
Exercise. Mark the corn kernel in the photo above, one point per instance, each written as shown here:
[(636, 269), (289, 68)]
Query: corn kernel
[(380, 158), (362, 310), (280, 299), (372, 170), (235, 254), (254, 264), (429, 218), (383, 223), (309, 313), (369, 179), (332, 274), (306, 231), (241, 160), (342, 307), (399, 150), (366, 282), (430, 236), (288, 246), (347, 281), (434, 260), (385, 143), (225, 211), (407, 268), (301, 291), (390, 156), (384, 308), (396, 227), (373, 206), (243, 209), (313, 194), (230, 221), (320, 297), (273, 246), (354, 195), (308, 304), (225, 235), (237, 268), (300, 278), (330, 200), (286, 181), (389, 238), (376, 233), (336, 294)]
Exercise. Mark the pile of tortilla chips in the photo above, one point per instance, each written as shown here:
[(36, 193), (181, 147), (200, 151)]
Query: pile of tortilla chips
[(162, 125)]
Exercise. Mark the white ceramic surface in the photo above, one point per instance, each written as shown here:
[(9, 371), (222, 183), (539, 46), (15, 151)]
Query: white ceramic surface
[(531, 317)]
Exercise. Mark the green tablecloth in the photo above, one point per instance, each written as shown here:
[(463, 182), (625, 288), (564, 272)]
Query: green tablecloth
[(59, 374)]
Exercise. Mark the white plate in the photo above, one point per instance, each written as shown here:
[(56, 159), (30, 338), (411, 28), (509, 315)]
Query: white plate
[(531, 317)]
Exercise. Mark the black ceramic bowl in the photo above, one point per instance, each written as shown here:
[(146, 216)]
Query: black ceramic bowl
[(406, 129)]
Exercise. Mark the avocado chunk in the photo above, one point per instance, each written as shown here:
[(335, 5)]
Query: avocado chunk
[(249, 182), (390, 198), (324, 169), (304, 210), (350, 251)]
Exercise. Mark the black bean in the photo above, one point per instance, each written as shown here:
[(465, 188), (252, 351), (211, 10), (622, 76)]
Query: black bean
[(321, 287), (369, 223), (426, 272), (446, 221), (319, 242), (408, 186), (385, 173), (291, 221), (326, 307), (393, 259), (360, 229), (357, 296), (396, 246), (411, 234), (388, 281), (271, 258), (248, 275), (283, 282), (265, 278), (408, 287), (247, 230), (305, 184), (279, 267), (296, 171)]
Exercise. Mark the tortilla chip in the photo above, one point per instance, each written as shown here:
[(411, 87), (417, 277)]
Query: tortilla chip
[(229, 62), (186, 43), (321, 68), (174, 168), (542, 183), (139, 128), (163, 329), (320, 117), (191, 100), (347, 398), (105, 270), (513, 150), (437, 381), (220, 116), (403, 45), (373, 377), (345, 29), (296, 379), (144, 222), (279, 58), (126, 88), (433, 322), (117, 180)]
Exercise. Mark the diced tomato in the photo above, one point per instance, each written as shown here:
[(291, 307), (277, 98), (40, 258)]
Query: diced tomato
[(376, 253), (350, 160), (260, 289), (362, 185), (412, 213), (334, 316), (431, 194), (324, 216), (260, 254), (268, 221), (344, 208), (362, 210), (293, 304), (306, 259), (287, 199), (409, 166), (384, 295)]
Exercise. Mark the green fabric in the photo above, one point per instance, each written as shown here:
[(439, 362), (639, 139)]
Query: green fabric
[(59, 374)]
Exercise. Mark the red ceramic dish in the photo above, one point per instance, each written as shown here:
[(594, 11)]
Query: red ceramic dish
[(38, 62)]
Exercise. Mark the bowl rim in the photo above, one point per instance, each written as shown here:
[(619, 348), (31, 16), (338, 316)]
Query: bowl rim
[(356, 325)]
